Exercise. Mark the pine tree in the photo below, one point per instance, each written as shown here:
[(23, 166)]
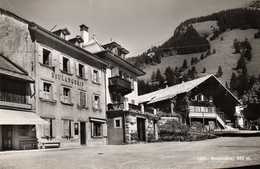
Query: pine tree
[(185, 64), (204, 70), (153, 77), (159, 77), (233, 82), (241, 63), (169, 76), (220, 72)]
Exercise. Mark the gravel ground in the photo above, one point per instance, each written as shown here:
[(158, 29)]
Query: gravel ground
[(215, 153)]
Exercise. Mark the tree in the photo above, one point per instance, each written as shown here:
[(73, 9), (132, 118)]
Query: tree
[(233, 82), (169, 76), (219, 72), (185, 64), (241, 63), (236, 45), (153, 77), (204, 70), (159, 77)]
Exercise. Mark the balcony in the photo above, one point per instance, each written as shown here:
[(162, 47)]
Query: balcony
[(131, 108), (13, 100), (117, 84)]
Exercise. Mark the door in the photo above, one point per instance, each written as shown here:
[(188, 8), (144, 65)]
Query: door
[(82, 133), (141, 129), (7, 132)]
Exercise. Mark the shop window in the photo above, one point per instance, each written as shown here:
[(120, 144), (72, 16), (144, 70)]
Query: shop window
[(118, 122), (67, 128), (48, 129), (96, 102), (96, 129), (83, 99), (46, 56), (76, 129)]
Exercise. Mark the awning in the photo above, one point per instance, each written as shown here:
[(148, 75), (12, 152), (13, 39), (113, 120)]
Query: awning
[(97, 119), (14, 117)]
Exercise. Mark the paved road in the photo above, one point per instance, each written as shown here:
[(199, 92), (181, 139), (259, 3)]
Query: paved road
[(215, 153)]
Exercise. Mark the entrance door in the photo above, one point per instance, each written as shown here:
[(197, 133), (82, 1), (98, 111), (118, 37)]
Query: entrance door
[(141, 129), (7, 132), (82, 133)]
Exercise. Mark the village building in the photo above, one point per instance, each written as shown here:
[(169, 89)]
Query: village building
[(17, 119), (204, 100), (128, 122), (69, 82)]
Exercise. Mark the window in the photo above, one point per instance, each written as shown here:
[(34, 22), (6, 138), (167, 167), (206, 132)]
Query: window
[(66, 95), (76, 129), (46, 92), (46, 87), (118, 122), (81, 70), (83, 99), (46, 57), (67, 128), (95, 76), (65, 65), (96, 102), (97, 129)]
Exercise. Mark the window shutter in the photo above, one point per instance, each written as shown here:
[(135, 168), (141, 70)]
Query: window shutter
[(54, 127), (104, 126), (91, 74), (77, 68), (99, 76), (40, 52), (52, 60), (92, 129), (86, 72), (71, 66), (86, 99), (61, 94), (72, 128), (41, 94), (61, 62), (55, 92)]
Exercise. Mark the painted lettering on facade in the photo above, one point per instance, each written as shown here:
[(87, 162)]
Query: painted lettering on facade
[(67, 79)]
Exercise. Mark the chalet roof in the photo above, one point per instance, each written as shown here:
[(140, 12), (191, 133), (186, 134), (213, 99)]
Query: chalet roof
[(9, 68), (170, 92)]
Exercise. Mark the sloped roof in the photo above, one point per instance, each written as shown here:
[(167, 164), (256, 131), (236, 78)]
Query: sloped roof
[(7, 67), (175, 90)]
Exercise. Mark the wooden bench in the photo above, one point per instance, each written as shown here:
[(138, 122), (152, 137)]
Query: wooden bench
[(45, 145), (27, 144)]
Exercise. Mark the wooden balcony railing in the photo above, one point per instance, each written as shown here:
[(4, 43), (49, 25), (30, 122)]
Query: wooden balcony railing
[(8, 99), (120, 85), (130, 107)]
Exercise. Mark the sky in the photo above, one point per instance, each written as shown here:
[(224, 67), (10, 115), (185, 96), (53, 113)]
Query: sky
[(136, 24)]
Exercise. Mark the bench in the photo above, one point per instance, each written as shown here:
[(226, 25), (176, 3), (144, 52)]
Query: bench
[(45, 145), (27, 144)]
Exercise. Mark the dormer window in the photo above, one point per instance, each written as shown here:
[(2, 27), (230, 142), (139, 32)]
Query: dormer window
[(62, 33)]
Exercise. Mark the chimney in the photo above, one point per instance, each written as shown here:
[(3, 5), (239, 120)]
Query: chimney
[(84, 34)]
